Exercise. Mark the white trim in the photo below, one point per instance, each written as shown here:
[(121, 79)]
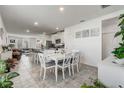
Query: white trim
[(26, 36)]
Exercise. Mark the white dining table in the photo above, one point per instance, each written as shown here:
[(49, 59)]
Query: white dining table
[(56, 56)]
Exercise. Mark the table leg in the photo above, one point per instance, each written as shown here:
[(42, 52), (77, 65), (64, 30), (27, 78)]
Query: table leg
[(56, 72)]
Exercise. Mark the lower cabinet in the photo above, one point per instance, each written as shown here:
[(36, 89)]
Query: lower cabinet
[(111, 74)]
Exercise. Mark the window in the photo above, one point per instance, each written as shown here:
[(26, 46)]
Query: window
[(94, 32), (85, 33), (78, 34)]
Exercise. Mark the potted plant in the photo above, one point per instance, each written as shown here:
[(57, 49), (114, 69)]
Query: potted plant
[(5, 80), (10, 63), (7, 65), (2, 66), (119, 51), (95, 84)]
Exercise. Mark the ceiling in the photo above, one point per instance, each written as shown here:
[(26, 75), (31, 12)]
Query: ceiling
[(17, 19), (110, 21)]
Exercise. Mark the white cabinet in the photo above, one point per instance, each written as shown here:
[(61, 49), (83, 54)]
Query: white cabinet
[(111, 74)]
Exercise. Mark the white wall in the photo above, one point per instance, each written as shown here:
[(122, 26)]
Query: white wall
[(45, 38), (90, 48), (3, 41), (59, 35), (32, 40), (22, 39)]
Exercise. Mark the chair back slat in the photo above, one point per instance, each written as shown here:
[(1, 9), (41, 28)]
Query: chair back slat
[(76, 57), (42, 59), (67, 59)]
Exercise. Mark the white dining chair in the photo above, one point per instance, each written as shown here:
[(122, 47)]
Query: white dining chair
[(45, 64), (75, 61), (65, 64)]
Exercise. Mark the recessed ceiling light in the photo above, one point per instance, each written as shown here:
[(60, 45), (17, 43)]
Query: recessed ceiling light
[(27, 30), (61, 9), (57, 28), (36, 23)]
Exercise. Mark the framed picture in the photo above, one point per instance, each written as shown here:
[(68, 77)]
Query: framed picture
[(12, 41), (58, 41)]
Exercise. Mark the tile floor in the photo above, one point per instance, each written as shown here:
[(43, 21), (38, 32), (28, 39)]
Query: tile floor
[(29, 76)]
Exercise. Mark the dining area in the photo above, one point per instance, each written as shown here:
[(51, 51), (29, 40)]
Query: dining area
[(57, 60), (53, 68)]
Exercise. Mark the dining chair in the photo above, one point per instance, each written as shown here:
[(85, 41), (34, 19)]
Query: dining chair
[(65, 64), (35, 55), (45, 64), (75, 60)]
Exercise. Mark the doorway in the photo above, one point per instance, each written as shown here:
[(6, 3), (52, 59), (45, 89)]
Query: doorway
[(109, 28)]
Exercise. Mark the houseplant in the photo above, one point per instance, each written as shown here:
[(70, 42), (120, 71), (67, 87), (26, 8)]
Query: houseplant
[(10, 63), (119, 51), (5, 80), (7, 65), (2, 66), (95, 84)]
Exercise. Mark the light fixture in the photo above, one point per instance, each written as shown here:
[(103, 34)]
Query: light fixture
[(57, 28), (27, 30), (36, 23), (61, 9)]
